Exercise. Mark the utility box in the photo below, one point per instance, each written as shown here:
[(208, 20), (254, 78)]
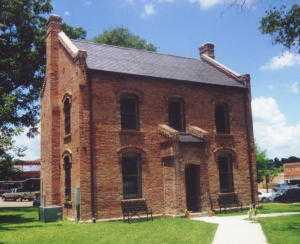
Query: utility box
[(50, 213)]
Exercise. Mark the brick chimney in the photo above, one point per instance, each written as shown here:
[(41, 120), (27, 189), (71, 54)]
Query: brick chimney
[(207, 49), (54, 24)]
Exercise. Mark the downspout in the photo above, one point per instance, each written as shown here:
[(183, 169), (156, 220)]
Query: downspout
[(93, 166), (248, 119)]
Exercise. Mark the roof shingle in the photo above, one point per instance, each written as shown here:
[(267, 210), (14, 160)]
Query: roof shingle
[(139, 62)]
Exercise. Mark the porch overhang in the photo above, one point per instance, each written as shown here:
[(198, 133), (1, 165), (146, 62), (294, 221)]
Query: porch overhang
[(193, 134)]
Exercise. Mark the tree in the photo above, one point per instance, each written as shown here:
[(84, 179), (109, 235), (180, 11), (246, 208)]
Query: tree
[(22, 62), (291, 159), (266, 169), (121, 36), (283, 25), (7, 170)]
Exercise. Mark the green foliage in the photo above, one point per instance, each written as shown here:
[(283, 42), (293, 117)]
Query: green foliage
[(22, 62), (266, 168), (74, 32), (7, 170), (123, 37), (283, 25)]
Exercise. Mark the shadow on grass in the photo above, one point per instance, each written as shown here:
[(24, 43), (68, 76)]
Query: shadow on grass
[(18, 227), (15, 219), (18, 209)]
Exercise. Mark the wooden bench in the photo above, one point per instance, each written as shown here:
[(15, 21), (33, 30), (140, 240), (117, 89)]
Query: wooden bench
[(135, 207), (227, 200)]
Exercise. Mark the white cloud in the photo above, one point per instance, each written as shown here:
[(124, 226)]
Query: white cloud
[(67, 13), (287, 59), (87, 3), (205, 4), (149, 9), (294, 87), (166, 1), (272, 130), (32, 145), (149, 6)]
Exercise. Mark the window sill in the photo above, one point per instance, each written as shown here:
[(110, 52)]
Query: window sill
[(133, 199), (223, 135), (133, 132), (227, 193)]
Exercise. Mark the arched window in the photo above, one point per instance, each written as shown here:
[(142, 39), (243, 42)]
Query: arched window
[(67, 116), (176, 114), (129, 112), (222, 119), (132, 176), (68, 183), (225, 173)]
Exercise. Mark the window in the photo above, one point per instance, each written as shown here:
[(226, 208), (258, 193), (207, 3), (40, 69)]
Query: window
[(225, 174), (129, 113), (222, 119), (176, 114), (67, 167), (132, 177), (67, 116)]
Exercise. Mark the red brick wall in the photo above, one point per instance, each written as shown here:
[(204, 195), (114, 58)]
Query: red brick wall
[(50, 116), (65, 77), (200, 101)]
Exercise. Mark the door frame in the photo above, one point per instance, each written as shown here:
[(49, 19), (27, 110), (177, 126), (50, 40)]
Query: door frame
[(192, 187)]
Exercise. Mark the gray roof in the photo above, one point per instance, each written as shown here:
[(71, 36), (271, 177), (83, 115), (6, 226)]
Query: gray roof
[(151, 64)]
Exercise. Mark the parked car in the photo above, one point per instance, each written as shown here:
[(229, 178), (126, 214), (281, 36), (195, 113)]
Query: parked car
[(18, 194), (290, 195), (2, 191), (264, 196)]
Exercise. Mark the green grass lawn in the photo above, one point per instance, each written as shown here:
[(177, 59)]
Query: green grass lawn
[(267, 208), (284, 229), (21, 225)]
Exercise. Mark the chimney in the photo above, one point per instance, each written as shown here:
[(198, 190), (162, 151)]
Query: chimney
[(207, 49), (54, 24)]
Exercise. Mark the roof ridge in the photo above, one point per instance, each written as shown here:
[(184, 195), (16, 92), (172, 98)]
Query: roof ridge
[(139, 50)]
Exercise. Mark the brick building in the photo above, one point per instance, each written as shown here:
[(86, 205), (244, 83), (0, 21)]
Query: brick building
[(120, 123), (291, 172), (29, 169)]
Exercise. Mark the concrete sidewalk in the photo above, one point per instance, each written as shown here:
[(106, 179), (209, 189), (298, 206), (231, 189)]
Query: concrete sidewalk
[(239, 230)]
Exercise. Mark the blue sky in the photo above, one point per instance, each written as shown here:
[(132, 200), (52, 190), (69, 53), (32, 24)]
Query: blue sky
[(181, 26)]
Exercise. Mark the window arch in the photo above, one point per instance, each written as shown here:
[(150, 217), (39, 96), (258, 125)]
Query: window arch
[(176, 114), (132, 175), (67, 115), (222, 119), (129, 106), (68, 178), (225, 166)]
